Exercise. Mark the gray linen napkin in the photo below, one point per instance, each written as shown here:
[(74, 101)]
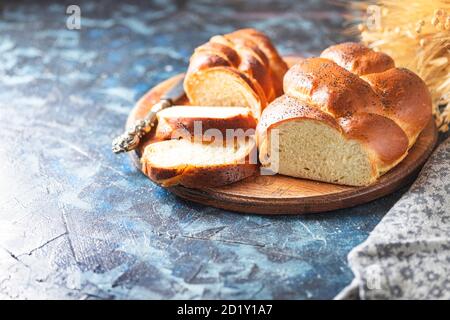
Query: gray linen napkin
[(407, 255)]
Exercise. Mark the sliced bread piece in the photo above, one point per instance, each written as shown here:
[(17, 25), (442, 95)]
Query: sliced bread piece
[(180, 120), (199, 165), (312, 144)]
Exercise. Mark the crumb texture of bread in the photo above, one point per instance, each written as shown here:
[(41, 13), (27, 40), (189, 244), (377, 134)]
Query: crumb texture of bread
[(198, 165), (224, 87), (311, 144), (241, 68), (326, 155)]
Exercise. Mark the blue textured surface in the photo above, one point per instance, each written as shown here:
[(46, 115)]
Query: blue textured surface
[(77, 221)]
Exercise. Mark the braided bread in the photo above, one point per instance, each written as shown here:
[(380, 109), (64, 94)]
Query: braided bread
[(237, 69), (346, 117)]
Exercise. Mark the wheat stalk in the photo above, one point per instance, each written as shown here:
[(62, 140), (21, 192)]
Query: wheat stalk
[(417, 35)]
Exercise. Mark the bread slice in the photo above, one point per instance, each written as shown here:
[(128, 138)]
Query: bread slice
[(199, 165), (180, 121), (298, 140)]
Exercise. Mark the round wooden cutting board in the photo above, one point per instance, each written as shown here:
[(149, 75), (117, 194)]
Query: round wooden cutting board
[(285, 195)]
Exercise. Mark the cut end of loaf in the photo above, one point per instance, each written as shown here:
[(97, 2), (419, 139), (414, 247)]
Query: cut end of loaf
[(313, 150), (222, 87)]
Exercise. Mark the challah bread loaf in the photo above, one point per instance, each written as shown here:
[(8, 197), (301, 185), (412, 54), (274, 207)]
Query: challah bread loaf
[(314, 145), (191, 120), (358, 59), (237, 69), (338, 127), (199, 165)]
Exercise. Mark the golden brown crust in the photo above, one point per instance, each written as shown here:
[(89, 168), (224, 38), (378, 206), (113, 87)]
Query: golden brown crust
[(357, 58), (382, 136), (225, 51), (255, 69), (278, 65), (214, 176), (242, 43), (204, 60), (247, 53), (158, 174), (168, 126), (201, 176), (251, 61), (333, 89), (405, 97)]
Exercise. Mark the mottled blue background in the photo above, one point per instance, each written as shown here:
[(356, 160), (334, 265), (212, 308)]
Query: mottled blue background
[(77, 221)]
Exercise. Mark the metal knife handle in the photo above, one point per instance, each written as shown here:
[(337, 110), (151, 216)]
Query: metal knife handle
[(130, 139)]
